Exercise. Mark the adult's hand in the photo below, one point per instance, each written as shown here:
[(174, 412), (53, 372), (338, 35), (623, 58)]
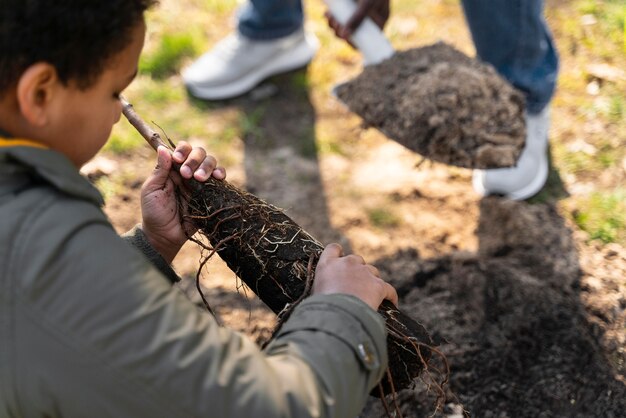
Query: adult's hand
[(377, 10)]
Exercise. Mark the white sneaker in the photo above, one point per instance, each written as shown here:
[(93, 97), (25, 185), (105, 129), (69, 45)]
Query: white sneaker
[(237, 64), (531, 172)]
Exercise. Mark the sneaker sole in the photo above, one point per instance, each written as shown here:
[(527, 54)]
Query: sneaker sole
[(295, 59), (522, 194)]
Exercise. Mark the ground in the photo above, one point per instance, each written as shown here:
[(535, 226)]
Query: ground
[(526, 299)]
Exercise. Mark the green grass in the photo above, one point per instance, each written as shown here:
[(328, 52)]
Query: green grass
[(610, 15), (330, 148), (306, 144), (606, 156), (249, 123), (617, 108), (124, 140), (598, 119), (383, 217), (603, 215), (107, 187), (300, 81), (171, 50)]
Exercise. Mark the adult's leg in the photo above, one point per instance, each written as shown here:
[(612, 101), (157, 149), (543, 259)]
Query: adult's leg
[(270, 19), (512, 35)]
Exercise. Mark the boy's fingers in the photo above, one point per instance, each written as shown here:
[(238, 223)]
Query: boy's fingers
[(355, 258), (196, 163), (373, 270), (181, 152), (390, 293), (219, 173), (333, 250), (163, 166), (192, 162), (161, 173), (206, 168)]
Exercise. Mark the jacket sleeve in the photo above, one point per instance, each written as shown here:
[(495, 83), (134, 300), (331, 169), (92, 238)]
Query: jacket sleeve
[(101, 333), (137, 239)]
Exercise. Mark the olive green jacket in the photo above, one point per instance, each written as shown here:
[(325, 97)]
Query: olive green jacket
[(92, 327)]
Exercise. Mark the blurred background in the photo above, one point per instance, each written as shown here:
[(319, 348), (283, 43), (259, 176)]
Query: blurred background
[(293, 144)]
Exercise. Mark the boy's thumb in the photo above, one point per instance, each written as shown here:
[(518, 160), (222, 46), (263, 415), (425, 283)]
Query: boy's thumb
[(163, 166)]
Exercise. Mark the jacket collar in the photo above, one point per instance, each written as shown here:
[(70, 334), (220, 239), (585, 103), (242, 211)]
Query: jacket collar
[(53, 168)]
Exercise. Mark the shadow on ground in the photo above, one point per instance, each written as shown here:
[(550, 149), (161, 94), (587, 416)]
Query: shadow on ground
[(514, 328), (278, 124)]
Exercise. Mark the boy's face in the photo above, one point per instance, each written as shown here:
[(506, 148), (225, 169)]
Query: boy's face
[(86, 117)]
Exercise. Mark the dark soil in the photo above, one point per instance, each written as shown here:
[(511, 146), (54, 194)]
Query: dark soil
[(442, 104), (515, 321)]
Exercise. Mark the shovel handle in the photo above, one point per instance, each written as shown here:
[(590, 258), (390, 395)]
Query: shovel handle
[(368, 37)]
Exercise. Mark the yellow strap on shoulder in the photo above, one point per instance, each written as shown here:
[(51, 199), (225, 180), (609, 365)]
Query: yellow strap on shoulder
[(17, 142)]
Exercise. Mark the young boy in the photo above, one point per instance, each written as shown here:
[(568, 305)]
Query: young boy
[(89, 325)]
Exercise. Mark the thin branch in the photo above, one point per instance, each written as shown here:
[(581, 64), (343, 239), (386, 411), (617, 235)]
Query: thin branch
[(150, 135), (153, 138)]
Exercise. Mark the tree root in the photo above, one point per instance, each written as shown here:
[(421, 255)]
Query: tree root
[(276, 258)]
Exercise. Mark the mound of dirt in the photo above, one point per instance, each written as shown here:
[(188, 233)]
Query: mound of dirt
[(515, 323), (442, 104)]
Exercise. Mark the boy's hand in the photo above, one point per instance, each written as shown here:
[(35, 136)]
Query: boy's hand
[(338, 274), (159, 207)]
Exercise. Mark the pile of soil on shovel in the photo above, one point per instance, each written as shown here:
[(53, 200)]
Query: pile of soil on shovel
[(442, 104), (527, 331)]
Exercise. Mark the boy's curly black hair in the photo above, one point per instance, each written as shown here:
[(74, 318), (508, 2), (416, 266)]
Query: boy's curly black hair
[(78, 37)]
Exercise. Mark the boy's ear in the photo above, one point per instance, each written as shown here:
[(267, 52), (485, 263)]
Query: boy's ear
[(35, 90)]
